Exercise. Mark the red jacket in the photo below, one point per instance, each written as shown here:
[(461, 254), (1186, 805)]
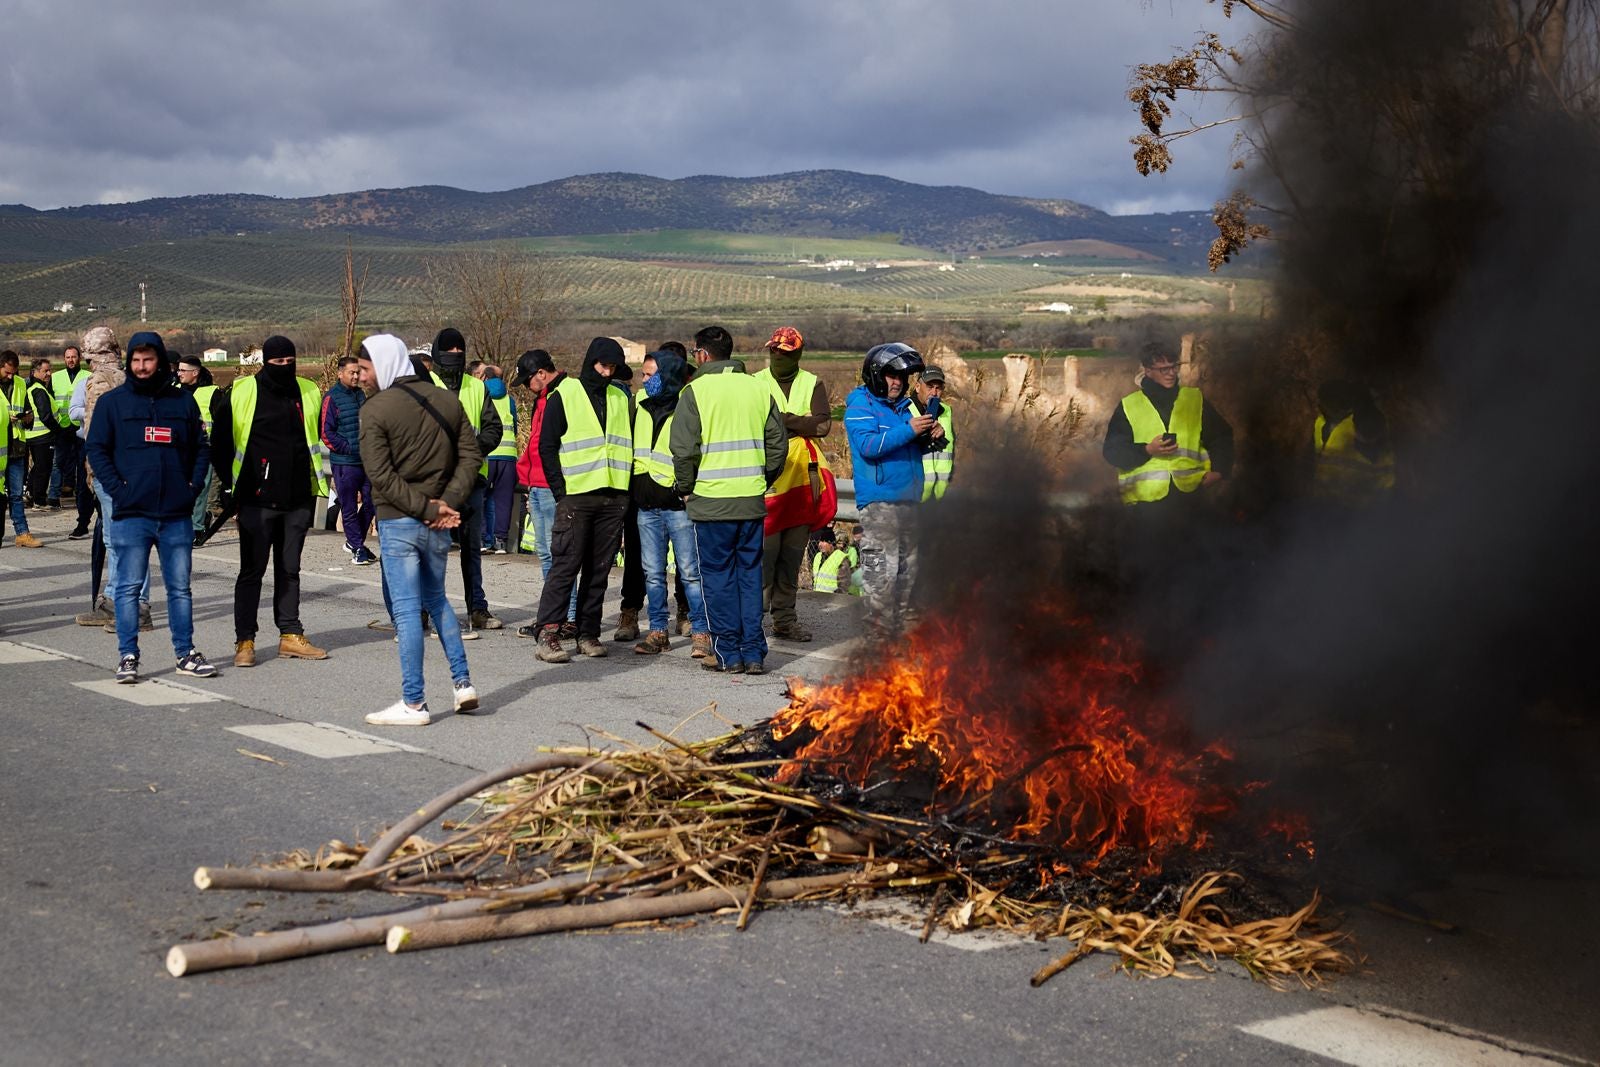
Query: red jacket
[(529, 470)]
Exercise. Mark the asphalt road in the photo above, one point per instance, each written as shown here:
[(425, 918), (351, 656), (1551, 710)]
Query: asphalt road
[(110, 796)]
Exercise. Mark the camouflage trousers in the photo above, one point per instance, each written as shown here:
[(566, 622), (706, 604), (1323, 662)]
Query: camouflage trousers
[(888, 562)]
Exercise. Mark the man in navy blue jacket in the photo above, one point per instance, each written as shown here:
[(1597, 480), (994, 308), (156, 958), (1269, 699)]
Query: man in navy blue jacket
[(147, 448)]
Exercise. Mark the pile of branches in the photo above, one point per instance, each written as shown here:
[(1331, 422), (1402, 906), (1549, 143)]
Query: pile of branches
[(578, 839)]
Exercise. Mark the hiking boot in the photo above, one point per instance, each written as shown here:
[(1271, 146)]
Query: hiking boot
[(244, 653), (99, 615), (484, 620), (569, 630), (710, 664), (199, 539), (702, 646), (591, 647), (682, 626), (295, 646), (791, 631), (628, 627), (758, 667), (78, 533), (195, 665), (550, 650), (655, 642), (401, 714), (128, 670), (466, 699), (27, 540)]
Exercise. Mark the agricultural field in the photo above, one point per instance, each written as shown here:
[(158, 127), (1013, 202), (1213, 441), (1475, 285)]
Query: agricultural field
[(712, 246)]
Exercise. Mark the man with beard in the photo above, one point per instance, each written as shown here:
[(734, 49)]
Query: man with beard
[(268, 455), (69, 449), (149, 455), (450, 373), (586, 453), (41, 436)]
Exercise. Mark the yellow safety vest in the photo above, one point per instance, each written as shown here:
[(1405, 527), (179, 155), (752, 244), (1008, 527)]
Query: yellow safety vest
[(937, 467), (242, 400), (61, 386), (472, 394), (825, 572), (36, 389), (1150, 481), (733, 418), (507, 448), (16, 396), (203, 396), (1342, 473), (797, 466), (652, 457), (593, 458)]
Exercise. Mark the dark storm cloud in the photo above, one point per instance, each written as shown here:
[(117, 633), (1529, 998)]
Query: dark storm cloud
[(110, 102)]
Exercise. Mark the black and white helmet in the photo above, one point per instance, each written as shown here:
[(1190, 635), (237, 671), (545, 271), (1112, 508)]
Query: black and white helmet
[(892, 358)]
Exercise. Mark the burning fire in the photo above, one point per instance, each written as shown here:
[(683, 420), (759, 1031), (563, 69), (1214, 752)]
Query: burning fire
[(1064, 748)]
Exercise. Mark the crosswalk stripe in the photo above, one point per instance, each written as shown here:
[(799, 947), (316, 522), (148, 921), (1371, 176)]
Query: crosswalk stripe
[(150, 693), (1369, 1039), (14, 652), (316, 741)]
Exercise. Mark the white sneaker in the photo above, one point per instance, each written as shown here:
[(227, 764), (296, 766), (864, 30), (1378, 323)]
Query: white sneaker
[(466, 698), (401, 714)]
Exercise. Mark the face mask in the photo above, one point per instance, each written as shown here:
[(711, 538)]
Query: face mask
[(784, 365), (652, 385)]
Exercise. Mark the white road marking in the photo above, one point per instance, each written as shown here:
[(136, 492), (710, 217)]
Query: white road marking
[(908, 917), (150, 693), (315, 740), (371, 737), (12, 652), (1395, 1039)]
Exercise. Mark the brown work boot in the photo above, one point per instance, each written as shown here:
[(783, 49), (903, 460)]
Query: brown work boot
[(99, 615), (567, 630), (791, 631), (27, 540), (550, 650), (628, 627), (295, 646), (244, 653), (591, 646), (702, 646), (681, 625), (655, 642)]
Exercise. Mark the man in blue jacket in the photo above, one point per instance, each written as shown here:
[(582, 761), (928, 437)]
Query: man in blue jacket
[(887, 443), (341, 432), (148, 450)]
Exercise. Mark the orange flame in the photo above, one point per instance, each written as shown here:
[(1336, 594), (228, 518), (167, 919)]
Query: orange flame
[(1062, 747)]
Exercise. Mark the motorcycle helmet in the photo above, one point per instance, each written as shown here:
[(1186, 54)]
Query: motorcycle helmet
[(892, 358)]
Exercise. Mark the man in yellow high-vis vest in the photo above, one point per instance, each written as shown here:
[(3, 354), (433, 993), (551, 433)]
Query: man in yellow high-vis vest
[(728, 446), (795, 501), (69, 449), (14, 394), (269, 456), (1165, 439), (1352, 462), (937, 467)]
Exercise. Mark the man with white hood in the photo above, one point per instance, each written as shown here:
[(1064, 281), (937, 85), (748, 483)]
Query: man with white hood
[(421, 455)]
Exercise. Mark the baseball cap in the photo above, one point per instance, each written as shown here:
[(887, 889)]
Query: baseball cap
[(786, 339), (932, 374), (530, 363)]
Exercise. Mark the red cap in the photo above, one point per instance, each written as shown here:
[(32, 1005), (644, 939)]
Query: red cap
[(786, 339)]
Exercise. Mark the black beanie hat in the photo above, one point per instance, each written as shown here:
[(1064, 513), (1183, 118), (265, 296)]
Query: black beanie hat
[(448, 340), (277, 347)]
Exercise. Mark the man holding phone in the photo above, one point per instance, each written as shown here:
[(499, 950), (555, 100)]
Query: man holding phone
[(937, 467), (1165, 439)]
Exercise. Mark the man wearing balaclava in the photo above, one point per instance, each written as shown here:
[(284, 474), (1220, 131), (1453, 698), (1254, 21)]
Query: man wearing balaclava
[(267, 453), (449, 372), (795, 501), (148, 451)]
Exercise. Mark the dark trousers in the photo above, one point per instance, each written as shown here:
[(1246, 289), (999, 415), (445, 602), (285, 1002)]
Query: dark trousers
[(497, 505), (632, 560), (282, 534), (354, 491), (583, 543), (470, 538), (69, 455), (730, 573), (41, 461), (782, 555), (88, 501)]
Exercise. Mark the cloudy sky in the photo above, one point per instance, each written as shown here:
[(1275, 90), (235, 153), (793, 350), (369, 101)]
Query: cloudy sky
[(110, 102)]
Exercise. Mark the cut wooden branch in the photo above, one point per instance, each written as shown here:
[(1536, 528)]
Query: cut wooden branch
[(443, 932)]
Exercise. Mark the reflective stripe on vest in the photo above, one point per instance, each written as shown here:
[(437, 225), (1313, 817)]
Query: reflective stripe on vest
[(733, 418), (652, 457), (1150, 481), (1342, 473), (61, 386), (592, 458), (203, 397), (472, 394), (937, 467), (36, 390), (16, 395), (242, 401), (507, 448), (825, 572)]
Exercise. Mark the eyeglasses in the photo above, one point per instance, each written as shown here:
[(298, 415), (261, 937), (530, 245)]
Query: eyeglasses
[(1164, 368)]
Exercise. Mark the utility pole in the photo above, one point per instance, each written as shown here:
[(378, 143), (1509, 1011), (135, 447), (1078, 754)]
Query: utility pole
[(141, 303)]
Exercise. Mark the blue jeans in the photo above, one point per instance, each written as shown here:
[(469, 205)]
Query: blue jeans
[(172, 539), (16, 476), (542, 506), (108, 538), (730, 572), (655, 529), (414, 561)]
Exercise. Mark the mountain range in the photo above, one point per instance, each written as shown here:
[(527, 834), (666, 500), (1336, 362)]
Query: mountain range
[(820, 203)]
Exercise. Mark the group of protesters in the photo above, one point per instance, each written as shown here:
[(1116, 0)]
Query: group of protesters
[(710, 479)]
